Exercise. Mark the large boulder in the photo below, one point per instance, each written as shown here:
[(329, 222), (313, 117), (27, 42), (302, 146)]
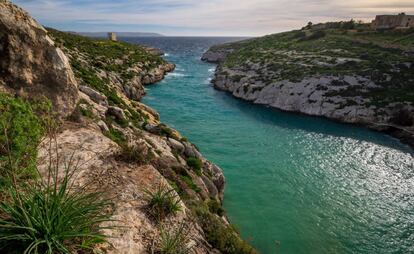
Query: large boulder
[(30, 63)]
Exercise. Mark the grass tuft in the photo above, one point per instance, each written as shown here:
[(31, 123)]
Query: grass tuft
[(195, 164), (49, 218), (175, 241), (162, 202), (138, 154)]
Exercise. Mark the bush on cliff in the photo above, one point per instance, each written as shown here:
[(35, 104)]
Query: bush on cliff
[(20, 133), (162, 202), (138, 154), (195, 164), (220, 235), (175, 241)]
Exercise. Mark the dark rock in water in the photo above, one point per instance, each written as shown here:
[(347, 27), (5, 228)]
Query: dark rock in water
[(30, 64)]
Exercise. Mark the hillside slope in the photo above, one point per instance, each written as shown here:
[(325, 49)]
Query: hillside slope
[(350, 75), (118, 145)]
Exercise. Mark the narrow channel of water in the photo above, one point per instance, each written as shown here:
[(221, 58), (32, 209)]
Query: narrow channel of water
[(295, 184)]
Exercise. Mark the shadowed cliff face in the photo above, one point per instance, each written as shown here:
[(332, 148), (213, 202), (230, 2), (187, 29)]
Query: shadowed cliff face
[(30, 64)]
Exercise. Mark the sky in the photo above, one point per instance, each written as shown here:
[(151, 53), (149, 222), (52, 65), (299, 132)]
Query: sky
[(203, 17)]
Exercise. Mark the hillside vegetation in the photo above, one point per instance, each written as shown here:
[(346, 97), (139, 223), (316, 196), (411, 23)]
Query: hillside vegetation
[(344, 71), (384, 57)]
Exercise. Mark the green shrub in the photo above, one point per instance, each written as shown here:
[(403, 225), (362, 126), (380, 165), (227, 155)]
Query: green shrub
[(195, 164), (189, 181), (162, 202), (87, 112), (135, 154), (47, 218), (174, 241), (166, 131), (298, 35), (314, 36), (20, 133), (215, 207), (116, 136), (219, 235)]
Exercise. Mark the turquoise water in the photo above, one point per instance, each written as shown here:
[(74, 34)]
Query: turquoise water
[(295, 184)]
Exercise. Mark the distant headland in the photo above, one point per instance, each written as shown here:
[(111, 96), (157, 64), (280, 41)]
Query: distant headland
[(119, 34)]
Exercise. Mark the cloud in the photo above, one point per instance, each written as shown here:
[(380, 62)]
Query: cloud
[(197, 17)]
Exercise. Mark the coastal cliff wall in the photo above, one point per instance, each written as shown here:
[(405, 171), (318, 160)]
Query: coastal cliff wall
[(336, 75)]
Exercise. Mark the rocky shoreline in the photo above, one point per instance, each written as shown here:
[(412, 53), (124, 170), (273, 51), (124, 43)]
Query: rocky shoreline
[(121, 147), (321, 95)]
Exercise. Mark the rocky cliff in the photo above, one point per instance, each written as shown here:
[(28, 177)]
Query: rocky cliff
[(31, 63), (351, 75), (119, 145)]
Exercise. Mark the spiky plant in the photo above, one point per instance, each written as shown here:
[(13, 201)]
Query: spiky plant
[(162, 202), (48, 216), (175, 241)]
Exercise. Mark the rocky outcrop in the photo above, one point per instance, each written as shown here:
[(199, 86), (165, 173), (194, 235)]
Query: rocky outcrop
[(157, 74), (125, 184), (31, 64), (214, 57), (217, 54)]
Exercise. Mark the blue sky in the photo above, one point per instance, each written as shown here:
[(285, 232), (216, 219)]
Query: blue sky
[(203, 17)]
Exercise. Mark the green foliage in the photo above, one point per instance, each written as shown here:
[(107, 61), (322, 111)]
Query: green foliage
[(91, 79), (195, 164), (189, 181), (111, 56), (87, 112), (314, 36), (298, 54), (166, 131), (49, 218), (215, 207), (20, 133), (102, 53), (162, 202), (116, 136), (174, 241), (220, 235), (138, 154)]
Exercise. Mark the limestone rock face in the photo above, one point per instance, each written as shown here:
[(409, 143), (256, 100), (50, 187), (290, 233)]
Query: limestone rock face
[(30, 63), (341, 97), (117, 112), (94, 95), (215, 56), (94, 159)]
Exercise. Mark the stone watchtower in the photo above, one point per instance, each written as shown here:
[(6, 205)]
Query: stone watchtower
[(112, 36), (400, 21)]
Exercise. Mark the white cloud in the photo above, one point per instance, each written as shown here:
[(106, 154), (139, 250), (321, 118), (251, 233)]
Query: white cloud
[(213, 17)]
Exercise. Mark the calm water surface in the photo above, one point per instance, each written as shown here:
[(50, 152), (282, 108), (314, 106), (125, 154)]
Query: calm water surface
[(295, 184)]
